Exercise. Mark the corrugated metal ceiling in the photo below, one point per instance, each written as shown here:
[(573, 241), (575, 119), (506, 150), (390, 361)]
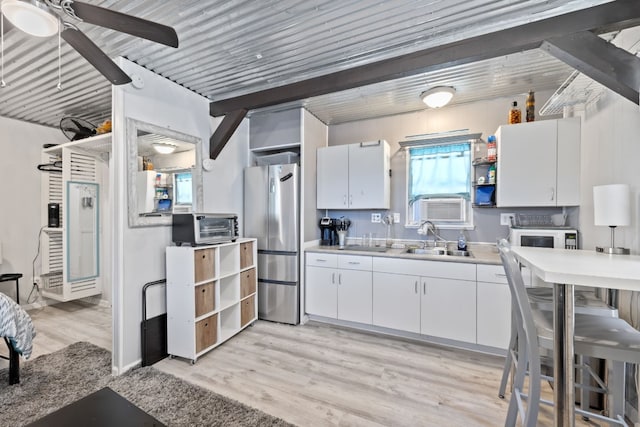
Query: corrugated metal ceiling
[(235, 47)]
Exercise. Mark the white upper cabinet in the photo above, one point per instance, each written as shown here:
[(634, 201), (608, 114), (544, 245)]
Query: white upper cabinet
[(354, 176), (539, 163)]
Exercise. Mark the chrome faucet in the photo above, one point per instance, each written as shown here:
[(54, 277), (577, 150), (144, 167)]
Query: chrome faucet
[(424, 228)]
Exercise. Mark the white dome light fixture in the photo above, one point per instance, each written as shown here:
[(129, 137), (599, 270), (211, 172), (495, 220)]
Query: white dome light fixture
[(163, 148), (438, 96), (31, 16)]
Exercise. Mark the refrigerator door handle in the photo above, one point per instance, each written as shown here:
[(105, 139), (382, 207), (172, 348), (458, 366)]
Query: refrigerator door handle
[(272, 185), (286, 177)]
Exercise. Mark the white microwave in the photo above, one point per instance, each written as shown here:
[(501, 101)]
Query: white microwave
[(559, 238)]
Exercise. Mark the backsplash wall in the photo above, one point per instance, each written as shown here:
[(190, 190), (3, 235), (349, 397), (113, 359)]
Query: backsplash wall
[(486, 221)]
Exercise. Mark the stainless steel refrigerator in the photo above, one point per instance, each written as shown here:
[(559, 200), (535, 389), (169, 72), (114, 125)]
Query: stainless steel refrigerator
[(271, 214)]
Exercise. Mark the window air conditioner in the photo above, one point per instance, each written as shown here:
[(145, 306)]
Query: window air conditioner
[(442, 210)]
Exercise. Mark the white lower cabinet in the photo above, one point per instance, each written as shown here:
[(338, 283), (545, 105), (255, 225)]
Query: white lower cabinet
[(456, 301), (321, 291), (354, 296), (448, 309), (443, 308), (494, 307), (396, 301), (338, 287)]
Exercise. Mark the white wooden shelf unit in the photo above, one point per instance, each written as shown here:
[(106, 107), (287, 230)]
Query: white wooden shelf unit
[(211, 295)]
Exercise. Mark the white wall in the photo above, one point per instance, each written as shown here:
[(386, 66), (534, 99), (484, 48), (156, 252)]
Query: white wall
[(610, 155), (20, 213), (139, 253)]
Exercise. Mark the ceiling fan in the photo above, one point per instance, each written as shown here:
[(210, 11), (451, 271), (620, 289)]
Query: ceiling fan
[(44, 18)]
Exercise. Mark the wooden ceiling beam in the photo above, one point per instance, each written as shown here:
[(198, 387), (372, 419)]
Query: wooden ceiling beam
[(605, 63)]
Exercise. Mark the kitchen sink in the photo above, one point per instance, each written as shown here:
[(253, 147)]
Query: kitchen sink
[(438, 251), (459, 253), (427, 251)]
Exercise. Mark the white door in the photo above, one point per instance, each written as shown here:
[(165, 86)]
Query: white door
[(448, 309), (354, 296), (396, 301), (321, 291), (368, 187), (494, 314), (526, 173), (333, 177)]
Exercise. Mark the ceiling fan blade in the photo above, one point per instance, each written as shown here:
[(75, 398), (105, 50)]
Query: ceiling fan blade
[(95, 56), (125, 23)]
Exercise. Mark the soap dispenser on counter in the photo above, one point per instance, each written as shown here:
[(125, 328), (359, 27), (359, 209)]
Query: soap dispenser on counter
[(462, 241)]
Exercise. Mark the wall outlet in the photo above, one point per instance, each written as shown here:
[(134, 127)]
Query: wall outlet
[(396, 217), (376, 217), (505, 218)]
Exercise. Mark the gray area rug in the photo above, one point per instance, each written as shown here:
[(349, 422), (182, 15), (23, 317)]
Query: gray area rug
[(54, 380)]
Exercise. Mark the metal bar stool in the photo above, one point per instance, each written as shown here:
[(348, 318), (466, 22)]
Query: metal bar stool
[(12, 277), (603, 337)]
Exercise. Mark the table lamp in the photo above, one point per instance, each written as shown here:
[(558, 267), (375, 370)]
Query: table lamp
[(612, 207)]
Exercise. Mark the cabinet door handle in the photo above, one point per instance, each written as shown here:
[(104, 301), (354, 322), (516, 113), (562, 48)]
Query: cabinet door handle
[(354, 263), (424, 288), (501, 275), (333, 278), (344, 200), (339, 278), (320, 260), (553, 193), (415, 287), (350, 199)]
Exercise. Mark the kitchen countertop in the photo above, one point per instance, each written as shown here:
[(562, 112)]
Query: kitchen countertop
[(481, 253)]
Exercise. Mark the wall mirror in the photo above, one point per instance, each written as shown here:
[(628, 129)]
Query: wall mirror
[(83, 227), (164, 173)]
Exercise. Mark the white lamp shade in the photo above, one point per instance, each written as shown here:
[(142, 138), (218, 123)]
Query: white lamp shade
[(612, 205)]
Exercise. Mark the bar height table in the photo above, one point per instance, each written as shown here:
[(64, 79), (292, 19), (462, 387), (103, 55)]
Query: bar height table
[(566, 268)]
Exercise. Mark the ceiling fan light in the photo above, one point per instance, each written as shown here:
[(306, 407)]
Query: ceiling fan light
[(32, 17), (437, 97), (163, 148)]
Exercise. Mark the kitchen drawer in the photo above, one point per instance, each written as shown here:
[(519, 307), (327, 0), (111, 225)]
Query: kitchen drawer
[(426, 268), (246, 255), (322, 260), (247, 282), (247, 310), (354, 262), (206, 332), (205, 298), (491, 273), (204, 264)]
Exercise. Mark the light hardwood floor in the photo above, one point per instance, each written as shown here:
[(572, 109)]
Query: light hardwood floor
[(319, 375)]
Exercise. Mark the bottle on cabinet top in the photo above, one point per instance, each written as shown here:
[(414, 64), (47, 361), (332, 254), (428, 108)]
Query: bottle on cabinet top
[(531, 107), (491, 149), (515, 115)]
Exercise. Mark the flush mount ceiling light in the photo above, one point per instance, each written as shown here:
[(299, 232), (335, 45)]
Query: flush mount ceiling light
[(437, 97), (31, 16), (163, 147)]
